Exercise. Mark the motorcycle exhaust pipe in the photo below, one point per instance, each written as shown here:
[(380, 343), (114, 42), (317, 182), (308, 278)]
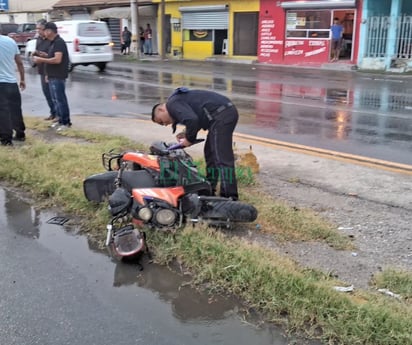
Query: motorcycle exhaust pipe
[(109, 228)]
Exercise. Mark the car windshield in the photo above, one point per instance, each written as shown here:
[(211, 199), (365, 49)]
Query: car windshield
[(27, 27)]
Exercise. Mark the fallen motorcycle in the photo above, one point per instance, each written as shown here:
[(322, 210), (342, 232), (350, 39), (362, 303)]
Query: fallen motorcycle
[(160, 190)]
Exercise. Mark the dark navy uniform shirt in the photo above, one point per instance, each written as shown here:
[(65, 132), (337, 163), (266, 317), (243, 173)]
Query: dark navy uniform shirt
[(188, 109)]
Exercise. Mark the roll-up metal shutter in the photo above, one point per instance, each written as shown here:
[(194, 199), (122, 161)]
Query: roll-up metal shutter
[(205, 17)]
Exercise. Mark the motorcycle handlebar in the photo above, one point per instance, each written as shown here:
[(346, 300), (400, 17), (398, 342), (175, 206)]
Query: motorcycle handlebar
[(179, 146)]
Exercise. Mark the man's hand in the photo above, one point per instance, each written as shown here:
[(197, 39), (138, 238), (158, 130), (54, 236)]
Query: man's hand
[(184, 142), (181, 135), (22, 85)]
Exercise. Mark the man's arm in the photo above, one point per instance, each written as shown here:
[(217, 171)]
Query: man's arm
[(55, 60), (184, 114), (20, 67)]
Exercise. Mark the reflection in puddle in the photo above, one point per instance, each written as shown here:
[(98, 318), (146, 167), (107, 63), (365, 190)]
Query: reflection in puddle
[(159, 296)]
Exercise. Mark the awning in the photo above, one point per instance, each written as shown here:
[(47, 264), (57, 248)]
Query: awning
[(113, 12), (318, 4), (124, 12)]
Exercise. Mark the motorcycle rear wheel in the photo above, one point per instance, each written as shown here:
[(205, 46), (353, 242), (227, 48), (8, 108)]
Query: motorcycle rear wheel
[(234, 211)]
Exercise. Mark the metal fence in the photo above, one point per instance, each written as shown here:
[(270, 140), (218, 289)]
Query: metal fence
[(404, 38), (377, 37)]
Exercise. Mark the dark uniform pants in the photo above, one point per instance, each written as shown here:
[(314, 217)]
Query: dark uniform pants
[(218, 150)]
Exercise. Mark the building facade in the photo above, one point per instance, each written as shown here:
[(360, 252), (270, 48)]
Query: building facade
[(23, 11), (203, 29), (298, 32), (386, 35)]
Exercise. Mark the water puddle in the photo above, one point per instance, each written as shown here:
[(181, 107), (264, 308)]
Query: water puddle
[(156, 296)]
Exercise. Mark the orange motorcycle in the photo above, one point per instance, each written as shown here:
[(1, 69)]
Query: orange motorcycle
[(159, 190)]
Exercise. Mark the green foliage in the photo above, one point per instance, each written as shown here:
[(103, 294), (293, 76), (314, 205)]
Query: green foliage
[(396, 281)]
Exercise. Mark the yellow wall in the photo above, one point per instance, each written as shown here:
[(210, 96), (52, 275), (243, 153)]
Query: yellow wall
[(201, 50), (196, 50)]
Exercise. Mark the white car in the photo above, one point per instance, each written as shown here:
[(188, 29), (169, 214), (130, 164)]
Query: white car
[(88, 43), (29, 50)]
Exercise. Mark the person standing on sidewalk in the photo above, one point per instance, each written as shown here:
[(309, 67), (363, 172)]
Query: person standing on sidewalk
[(208, 110), (141, 39), (42, 48), (148, 40), (337, 34), (126, 40), (11, 116), (57, 71)]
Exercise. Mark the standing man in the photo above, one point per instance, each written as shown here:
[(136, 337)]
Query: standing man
[(141, 40), (148, 40), (10, 98), (57, 71), (42, 48), (126, 40), (337, 34), (197, 109)]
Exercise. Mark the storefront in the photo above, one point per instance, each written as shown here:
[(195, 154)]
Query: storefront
[(204, 29), (298, 32)]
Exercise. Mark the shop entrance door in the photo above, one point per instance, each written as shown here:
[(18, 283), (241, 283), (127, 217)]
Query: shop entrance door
[(346, 19)]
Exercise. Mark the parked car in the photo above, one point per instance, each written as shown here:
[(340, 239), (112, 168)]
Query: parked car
[(6, 28), (24, 33)]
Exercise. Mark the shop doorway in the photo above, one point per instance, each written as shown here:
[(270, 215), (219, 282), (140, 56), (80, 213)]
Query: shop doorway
[(220, 36), (346, 19)]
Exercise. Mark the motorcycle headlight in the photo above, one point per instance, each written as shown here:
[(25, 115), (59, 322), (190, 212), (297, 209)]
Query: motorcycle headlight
[(145, 214), (165, 217)]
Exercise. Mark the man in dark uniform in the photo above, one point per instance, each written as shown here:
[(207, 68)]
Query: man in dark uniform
[(208, 110), (42, 48), (57, 71)]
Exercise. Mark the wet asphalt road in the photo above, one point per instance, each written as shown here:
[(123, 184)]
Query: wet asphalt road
[(351, 112)]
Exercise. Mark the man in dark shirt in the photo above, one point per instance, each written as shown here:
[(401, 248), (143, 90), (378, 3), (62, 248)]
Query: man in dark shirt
[(42, 48), (57, 71), (208, 110)]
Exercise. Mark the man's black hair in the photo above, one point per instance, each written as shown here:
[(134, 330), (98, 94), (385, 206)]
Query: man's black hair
[(42, 22), (153, 111), (51, 26)]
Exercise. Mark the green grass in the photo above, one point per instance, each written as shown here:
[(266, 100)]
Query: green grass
[(396, 281), (302, 300)]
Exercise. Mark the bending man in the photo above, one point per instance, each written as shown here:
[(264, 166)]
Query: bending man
[(200, 109)]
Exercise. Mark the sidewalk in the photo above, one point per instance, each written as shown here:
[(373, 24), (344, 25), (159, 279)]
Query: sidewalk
[(339, 67)]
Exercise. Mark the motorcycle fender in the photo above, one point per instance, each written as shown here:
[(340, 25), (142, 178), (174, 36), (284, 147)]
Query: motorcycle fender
[(143, 159), (170, 195)]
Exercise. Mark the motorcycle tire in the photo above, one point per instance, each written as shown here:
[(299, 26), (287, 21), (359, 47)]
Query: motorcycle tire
[(234, 211)]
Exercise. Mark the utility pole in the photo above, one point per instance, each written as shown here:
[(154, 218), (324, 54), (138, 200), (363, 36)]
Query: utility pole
[(163, 28), (134, 10)]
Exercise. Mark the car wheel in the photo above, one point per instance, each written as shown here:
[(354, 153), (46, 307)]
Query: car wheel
[(71, 66)]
